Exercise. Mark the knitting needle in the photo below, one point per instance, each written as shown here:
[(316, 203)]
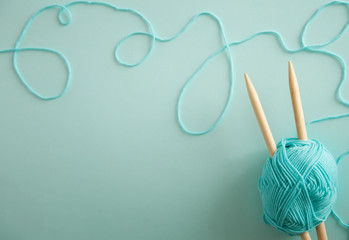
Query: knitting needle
[(297, 104), (262, 120), (301, 130), (264, 126), (321, 231)]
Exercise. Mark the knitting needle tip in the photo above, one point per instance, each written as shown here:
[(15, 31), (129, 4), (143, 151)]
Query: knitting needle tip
[(248, 81)]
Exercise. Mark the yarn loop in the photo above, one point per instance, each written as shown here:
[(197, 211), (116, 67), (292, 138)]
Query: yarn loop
[(64, 16)]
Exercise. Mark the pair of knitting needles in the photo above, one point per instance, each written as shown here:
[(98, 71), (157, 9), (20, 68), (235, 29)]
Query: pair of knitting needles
[(300, 125)]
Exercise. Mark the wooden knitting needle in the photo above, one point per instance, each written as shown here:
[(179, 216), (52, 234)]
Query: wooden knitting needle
[(297, 104), (321, 231), (264, 126), (262, 120), (301, 130)]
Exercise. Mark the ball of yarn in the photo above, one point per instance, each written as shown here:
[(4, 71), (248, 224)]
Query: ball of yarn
[(298, 186)]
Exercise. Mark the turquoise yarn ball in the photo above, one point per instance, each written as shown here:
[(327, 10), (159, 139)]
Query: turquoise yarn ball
[(298, 186)]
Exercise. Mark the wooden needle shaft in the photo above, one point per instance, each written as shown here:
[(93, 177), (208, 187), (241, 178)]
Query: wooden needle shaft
[(302, 134), (262, 120), (305, 236), (321, 231), (297, 104)]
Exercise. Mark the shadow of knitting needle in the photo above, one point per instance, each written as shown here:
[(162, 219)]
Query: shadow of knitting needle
[(301, 130), (264, 126)]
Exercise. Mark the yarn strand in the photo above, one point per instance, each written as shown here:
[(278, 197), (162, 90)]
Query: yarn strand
[(64, 10)]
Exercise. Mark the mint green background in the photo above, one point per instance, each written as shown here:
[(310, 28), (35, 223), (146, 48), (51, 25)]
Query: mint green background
[(108, 160)]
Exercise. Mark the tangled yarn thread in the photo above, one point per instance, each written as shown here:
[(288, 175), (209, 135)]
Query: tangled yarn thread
[(298, 186), (65, 18)]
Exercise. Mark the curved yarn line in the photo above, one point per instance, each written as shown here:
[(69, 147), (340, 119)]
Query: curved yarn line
[(334, 213), (316, 14), (63, 10)]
